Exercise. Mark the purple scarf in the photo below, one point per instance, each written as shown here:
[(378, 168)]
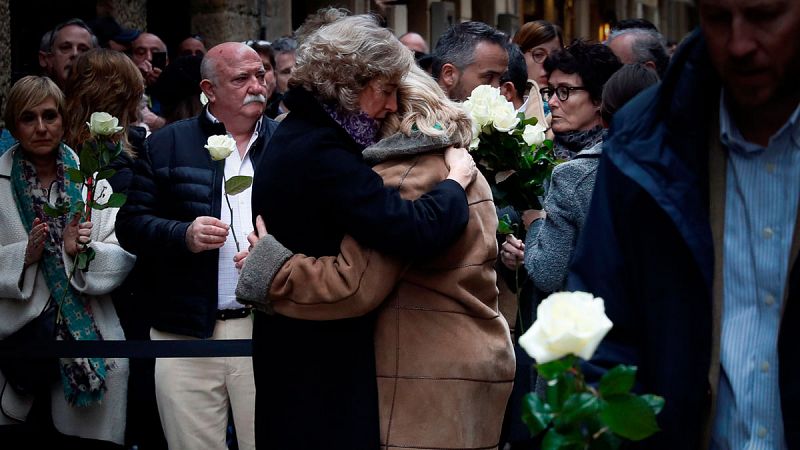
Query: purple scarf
[(362, 128)]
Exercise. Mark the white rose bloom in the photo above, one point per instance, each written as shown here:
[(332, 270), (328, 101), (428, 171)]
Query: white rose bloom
[(103, 124), (220, 146), (479, 103), (534, 134), (566, 323), (504, 116)]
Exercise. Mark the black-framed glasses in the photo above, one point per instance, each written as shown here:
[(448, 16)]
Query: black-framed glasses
[(539, 55), (562, 91)]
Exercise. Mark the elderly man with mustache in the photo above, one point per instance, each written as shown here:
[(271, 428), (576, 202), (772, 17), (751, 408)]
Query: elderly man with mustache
[(175, 221)]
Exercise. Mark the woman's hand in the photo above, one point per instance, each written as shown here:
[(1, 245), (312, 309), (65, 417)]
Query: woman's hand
[(512, 252), (35, 248), (462, 166), (252, 238), (77, 236)]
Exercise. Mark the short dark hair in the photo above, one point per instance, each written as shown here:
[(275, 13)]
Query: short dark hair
[(517, 71), (457, 45), (285, 44), (76, 22), (263, 48), (623, 85), (648, 45), (594, 63)]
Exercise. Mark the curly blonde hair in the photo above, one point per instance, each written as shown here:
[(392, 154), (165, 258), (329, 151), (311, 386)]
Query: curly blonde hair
[(102, 80), (339, 55), (423, 106)]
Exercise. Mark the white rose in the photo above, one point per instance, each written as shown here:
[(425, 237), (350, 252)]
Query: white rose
[(566, 323), (473, 145), (534, 134), (103, 124), (220, 146), (203, 98), (480, 102), (504, 115)]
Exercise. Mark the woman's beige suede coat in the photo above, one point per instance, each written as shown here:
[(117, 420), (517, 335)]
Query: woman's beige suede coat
[(445, 361)]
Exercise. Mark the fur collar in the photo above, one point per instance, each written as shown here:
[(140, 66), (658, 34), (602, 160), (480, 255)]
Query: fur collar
[(399, 145)]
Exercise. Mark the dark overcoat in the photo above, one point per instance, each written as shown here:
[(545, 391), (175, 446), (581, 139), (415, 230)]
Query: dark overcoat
[(315, 380), (647, 249)]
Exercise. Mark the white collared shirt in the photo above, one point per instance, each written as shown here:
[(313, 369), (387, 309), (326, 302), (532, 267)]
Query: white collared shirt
[(227, 273)]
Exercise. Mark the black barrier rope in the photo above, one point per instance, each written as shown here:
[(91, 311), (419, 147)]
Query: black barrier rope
[(128, 349)]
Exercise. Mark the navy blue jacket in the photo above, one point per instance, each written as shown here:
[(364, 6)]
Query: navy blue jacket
[(176, 181), (315, 381), (647, 250)]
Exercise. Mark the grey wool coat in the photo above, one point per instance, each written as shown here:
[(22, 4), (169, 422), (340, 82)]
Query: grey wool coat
[(551, 241)]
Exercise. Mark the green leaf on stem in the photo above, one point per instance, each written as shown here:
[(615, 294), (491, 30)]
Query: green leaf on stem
[(237, 184), (618, 380), (629, 416), (89, 162), (536, 414), (78, 207), (75, 175), (577, 407), (504, 225), (55, 211), (84, 258), (552, 369), (105, 174), (656, 402), (554, 440), (116, 200)]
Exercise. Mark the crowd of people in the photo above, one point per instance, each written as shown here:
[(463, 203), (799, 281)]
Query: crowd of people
[(364, 262)]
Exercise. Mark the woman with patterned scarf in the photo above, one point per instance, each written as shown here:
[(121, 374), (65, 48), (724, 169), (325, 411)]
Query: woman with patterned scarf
[(87, 397), (576, 76)]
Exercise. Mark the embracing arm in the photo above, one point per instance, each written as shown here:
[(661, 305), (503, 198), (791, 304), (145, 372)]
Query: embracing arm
[(327, 288), (380, 218)]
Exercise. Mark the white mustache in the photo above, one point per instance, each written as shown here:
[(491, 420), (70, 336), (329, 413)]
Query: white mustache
[(254, 98)]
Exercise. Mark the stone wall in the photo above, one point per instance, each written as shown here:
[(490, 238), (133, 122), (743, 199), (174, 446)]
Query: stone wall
[(131, 13), (225, 20)]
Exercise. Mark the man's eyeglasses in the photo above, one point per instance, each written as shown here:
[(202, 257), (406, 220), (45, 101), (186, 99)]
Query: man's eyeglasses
[(539, 55), (561, 91)]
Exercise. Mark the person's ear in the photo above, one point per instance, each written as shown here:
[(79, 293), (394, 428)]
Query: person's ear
[(650, 65), (449, 76), (508, 91), (208, 88), (43, 63)]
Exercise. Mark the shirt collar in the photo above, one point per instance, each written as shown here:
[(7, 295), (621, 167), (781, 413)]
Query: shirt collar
[(731, 137), (255, 130)]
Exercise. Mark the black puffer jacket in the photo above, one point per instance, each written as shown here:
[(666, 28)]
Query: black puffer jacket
[(175, 182)]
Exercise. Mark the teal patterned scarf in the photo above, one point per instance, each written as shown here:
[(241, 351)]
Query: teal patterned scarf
[(83, 378)]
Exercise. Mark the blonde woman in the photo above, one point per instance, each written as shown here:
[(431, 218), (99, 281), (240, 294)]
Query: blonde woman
[(444, 357)]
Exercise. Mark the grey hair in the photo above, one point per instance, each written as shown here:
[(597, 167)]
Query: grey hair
[(648, 45), (44, 44), (208, 69), (285, 45), (337, 60), (70, 22)]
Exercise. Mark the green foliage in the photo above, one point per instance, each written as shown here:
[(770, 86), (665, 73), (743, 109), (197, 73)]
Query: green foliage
[(94, 157), (574, 415), (237, 184), (516, 171)]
